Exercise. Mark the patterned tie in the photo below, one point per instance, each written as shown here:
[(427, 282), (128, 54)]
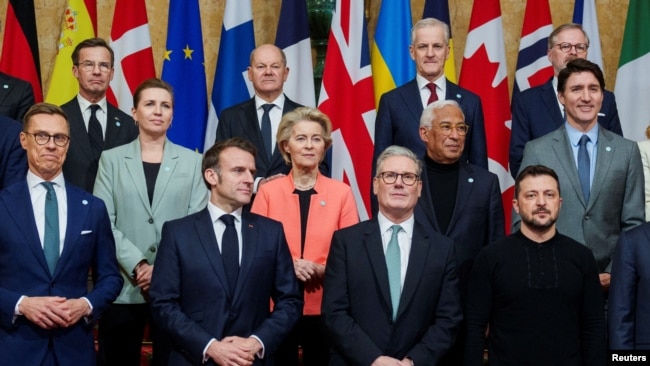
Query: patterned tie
[(51, 237), (584, 166), (95, 132), (433, 97), (230, 251), (266, 130), (393, 264)]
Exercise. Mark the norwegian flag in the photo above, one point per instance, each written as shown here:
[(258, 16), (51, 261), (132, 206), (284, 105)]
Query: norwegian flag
[(485, 73), (131, 42), (347, 98), (533, 66)]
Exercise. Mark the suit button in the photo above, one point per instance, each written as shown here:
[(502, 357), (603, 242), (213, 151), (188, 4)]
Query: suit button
[(152, 249), (150, 220)]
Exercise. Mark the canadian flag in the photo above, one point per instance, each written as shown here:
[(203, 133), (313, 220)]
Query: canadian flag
[(347, 98), (485, 73), (131, 42)]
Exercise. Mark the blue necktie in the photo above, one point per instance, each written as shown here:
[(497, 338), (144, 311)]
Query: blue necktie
[(393, 264), (266, 130), (230, 251), (51, 236), (584, 166)]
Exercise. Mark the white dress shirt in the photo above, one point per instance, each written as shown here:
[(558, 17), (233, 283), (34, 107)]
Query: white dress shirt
[(101, 114), (425, 93), (404, 238)]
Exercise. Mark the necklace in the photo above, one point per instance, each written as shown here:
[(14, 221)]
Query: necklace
[(305, 187)]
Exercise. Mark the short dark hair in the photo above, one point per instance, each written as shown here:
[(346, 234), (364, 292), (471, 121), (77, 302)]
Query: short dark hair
[(577, 66), (43, 108), (90, 43), (535, 171), (211, 157), (153, 83)]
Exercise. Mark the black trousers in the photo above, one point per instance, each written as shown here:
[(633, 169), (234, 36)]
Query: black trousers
[(308, 334)]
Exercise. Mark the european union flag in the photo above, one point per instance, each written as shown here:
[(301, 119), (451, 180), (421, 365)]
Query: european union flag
[(184, 69)]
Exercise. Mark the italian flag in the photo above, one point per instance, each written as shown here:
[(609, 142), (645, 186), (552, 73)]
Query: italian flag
[(633, 79)]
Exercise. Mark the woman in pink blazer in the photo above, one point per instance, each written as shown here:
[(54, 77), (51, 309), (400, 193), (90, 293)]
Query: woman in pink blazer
[(311, 207)]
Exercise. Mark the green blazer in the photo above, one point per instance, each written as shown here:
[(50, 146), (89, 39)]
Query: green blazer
[(179, 191)]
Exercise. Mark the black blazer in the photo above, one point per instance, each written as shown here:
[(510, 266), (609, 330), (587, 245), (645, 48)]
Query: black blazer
[(13, 161), (16, 96)]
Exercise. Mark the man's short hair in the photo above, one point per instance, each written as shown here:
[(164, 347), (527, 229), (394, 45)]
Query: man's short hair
[(91, 43), (211, 157), (43, 108), (577, 66), (553, 36), (535, 171), (430, 22), (429, 113), (282, 54), (395, 150)]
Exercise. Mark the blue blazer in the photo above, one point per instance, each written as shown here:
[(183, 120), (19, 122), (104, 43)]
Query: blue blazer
[(88, 246), (629, 291), (535, 112), (16, 97), (356, 307), (190, 297), (477, 220), (13, 161)]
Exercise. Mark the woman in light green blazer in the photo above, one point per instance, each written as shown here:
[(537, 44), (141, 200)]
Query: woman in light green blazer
[(144, 184)]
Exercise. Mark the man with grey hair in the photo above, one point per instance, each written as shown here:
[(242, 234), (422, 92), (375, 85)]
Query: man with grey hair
[(390, 295), (461, 200)]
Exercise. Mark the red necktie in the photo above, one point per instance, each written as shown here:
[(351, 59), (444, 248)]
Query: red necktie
[(433, 97)]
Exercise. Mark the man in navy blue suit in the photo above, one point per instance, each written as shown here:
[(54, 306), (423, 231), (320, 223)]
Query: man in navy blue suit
[(53, 234), (217, 270), (13, 163), (537, 111)]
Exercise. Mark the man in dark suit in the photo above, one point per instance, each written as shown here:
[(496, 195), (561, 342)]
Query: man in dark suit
[(390, 290), (600, 172), (95, 125), (217, 270), (268, 71), (16, 96), (537, 111), (400, 109), (462, 201), (53, 234), (13, 162)]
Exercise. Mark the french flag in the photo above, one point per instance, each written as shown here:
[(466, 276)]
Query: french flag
[(584, 12)]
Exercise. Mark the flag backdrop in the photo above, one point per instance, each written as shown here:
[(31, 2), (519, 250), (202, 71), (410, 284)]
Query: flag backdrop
[(584, 12), (231, 84), (484, 72), (439, 9), (20, 57), (131, 43), (184, 69), (347, 98), (533, 66), (633, 79), (391, 63), (77, 25), (293, 38)]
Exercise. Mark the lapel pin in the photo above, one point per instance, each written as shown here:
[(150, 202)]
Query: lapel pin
[(84, 202), (117, 122), (471, 180), (608, 148), (6, 86), (322, 203), (250, 226), (167, 169), (458, 96)]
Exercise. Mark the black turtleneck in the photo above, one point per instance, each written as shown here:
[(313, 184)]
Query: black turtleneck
[(443, 184)]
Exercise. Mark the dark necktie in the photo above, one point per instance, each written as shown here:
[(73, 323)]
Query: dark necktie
[(393, 264), (51, 235), (95, 132), (584, 166), (433, 97), (230, 251), (267, 130)]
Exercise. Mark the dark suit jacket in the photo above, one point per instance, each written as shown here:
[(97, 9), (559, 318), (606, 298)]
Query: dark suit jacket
[(477, 219), (629, 292), (13, 161), (398, 122), (535, 112), (16, 96), (190, 297), (356, 306), (80, 167), (88, 246)]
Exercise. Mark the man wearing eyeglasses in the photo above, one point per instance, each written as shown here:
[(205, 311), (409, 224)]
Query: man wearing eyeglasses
[(537, 111), (390, 294), (461, 200), (95, 125), (53, 234)]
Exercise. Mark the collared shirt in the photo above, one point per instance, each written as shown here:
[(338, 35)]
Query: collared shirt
[(219, 227), (574, 140), (554, 83), (38, 192), (441, 88), (275, 114), (101, 114), (404, 238)]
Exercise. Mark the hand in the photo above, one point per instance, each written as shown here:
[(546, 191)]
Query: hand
[(389, 361), (229, 353), (251, 344), (78, 308), (268, 179), (307, 271), (48, 312), (143, 272), (605, 278)]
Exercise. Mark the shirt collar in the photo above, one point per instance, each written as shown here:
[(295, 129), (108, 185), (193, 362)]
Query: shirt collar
[(278, 102), (575, 135), (216, 212), (441, 82), (34, 180), (385, 224), (85, 103)]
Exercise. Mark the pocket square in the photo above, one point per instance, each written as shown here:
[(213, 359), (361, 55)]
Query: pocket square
[(84, 232)]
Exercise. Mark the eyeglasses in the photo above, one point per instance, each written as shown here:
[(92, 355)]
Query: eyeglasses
[(90, 66), (391, 177), (566, 47), (42, 138), (446, 128)]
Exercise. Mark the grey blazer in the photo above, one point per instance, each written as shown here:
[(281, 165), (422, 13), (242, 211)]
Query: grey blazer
[(616, 201)]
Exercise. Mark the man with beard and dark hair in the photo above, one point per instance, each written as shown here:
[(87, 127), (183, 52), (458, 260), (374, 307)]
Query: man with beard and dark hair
[(537, 290)]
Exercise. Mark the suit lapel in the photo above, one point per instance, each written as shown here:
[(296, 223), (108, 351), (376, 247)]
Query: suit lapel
[(373, 243), (427, 202), (251, 126), (133, 162), (562, 149), (250, 237), (113, 126), (417, 260), (78, 132), (205, 232), (166, 172), (78, 209), (411, 99), (604, 158), (549, 98), (463, 193)]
